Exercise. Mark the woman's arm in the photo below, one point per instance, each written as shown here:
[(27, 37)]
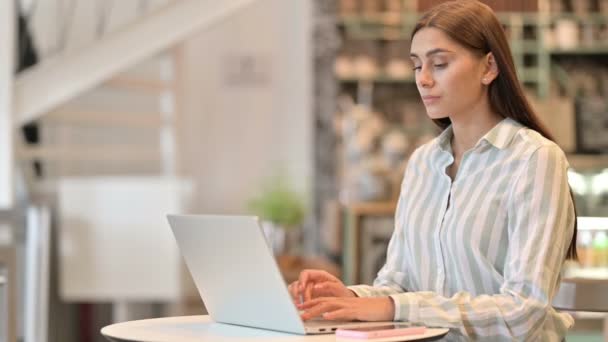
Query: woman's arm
[(541, 219), (392, 278)]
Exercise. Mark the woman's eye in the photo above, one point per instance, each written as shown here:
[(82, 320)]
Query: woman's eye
[(416, 68), (441, 65)]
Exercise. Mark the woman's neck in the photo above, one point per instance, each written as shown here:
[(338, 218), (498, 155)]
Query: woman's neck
[(468, 129)]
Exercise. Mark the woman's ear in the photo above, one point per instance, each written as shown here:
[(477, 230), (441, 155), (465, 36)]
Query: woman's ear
[(491, 69)]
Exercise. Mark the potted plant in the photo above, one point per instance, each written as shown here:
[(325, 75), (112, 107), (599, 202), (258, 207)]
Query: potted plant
[(282, 212)]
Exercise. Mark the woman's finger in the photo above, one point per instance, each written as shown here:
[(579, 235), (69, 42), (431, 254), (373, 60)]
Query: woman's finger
[(293, 290), (311, 303), (324, 302), (302, 280), (314, 276), (320, 309), (343, 314), (308, 292), (329, 289)]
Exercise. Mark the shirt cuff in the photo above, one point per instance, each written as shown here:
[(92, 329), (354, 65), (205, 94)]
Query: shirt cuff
[(360, 290), (406, 307)]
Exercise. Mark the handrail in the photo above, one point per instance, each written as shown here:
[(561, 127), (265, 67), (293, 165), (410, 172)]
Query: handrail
[(45, 86)]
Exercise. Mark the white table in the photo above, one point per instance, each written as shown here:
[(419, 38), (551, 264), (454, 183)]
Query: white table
[(200, 329)]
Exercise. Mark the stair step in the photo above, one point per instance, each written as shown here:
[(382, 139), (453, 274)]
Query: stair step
[(106, 118), (62, 78), (139, 84), (127, 154)]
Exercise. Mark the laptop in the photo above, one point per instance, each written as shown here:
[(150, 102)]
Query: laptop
[(237, 276)]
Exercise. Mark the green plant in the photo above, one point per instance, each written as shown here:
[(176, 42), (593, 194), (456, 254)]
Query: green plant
[(279, 204)]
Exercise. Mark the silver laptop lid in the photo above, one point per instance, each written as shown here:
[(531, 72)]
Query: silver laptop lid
[(235, 272)]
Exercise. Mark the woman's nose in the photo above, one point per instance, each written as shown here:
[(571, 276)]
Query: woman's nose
[(424, 79)]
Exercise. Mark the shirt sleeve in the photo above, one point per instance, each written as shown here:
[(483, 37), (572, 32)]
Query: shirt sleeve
[(540, 226), (392, 277)]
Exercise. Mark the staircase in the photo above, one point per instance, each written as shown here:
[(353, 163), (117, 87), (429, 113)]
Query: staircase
[(107, 109), (124, 126)]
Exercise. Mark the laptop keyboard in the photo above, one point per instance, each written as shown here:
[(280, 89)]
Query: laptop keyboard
[(322, 323)]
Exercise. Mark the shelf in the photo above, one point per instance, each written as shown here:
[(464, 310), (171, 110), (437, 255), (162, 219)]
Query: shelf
[(386, 26), (581, 50), (377, 79), (386, 18), (398, 18), (384, 34), (509, 19), (594, 18), (515, 18), (527, 46), (591, 273), (583, 162)]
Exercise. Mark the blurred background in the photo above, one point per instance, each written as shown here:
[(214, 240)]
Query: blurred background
[(115, 113)]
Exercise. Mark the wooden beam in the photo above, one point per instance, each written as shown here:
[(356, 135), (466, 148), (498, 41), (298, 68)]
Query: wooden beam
[(54, 82), (7, 69)]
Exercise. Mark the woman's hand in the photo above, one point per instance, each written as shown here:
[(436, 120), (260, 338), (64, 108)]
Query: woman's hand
[(349, 309), (316, 283)]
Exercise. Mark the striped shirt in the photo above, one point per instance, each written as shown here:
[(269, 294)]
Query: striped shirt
[(482, 254)]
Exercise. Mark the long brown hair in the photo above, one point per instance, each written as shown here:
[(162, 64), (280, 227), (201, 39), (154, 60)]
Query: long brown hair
[(475, 26)]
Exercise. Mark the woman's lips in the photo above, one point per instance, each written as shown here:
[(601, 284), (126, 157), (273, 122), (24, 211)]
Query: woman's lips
[(429, 99)]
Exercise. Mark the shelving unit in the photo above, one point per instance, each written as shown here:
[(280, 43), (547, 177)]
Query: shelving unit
[(537, 49)]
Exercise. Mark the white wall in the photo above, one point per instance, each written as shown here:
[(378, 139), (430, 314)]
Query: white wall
[(6, 123), (233, 135), (237, 133)]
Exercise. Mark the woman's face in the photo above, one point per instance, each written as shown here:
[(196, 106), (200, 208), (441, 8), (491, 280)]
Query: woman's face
[(448, 76)]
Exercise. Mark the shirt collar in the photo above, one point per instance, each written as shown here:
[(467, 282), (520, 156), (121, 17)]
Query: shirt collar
[(499, 136), (444, 140)]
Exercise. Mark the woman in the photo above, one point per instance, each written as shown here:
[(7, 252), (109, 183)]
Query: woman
[(485, 218)]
